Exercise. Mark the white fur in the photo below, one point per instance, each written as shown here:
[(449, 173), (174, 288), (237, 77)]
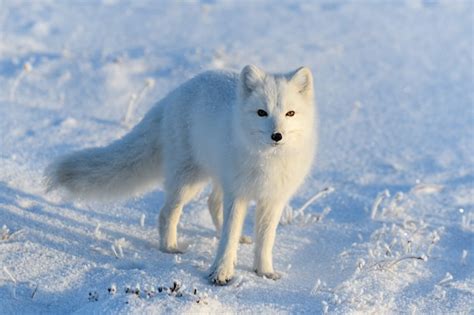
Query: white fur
[(208, 128)]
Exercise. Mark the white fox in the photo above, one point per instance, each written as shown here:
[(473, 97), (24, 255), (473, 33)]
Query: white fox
[(253, 135)]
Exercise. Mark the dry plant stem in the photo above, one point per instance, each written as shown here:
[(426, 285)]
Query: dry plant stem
[(9, 275), (34, 291), (387, 264), (115, 252), (326, 191), (26, 69), (134, 101), (380, 197)]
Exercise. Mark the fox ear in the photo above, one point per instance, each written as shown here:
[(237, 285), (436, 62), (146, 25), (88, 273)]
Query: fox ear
[(251, 77), (303, 80)]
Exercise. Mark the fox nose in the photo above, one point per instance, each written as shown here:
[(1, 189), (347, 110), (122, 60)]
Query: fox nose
[(276, 136)]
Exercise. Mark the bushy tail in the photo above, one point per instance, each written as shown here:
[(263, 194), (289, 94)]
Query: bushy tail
[(125, 167)]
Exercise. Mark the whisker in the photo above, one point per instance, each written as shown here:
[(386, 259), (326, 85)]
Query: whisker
[(295, 131)]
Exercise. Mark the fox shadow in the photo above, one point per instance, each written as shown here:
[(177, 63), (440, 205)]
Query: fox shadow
[(70, 229)]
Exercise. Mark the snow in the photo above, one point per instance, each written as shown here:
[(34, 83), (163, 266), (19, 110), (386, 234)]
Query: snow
[(393, 232)]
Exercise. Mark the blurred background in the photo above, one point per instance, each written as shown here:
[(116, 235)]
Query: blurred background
[(394, 84)]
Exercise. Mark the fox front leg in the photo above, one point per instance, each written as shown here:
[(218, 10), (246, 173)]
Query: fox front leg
[(266, 222), (222, 270)]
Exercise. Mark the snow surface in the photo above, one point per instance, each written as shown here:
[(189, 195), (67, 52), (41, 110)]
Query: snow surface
[(395, 88)]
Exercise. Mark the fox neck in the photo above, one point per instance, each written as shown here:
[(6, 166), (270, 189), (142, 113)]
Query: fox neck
[(273, 173)]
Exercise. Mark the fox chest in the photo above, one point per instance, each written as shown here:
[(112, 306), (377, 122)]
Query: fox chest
[(273, 177)]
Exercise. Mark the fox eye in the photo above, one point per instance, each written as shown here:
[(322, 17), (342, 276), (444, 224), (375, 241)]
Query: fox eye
[(262, 113), (291, 113)]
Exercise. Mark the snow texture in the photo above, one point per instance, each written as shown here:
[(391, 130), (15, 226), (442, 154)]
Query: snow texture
[(392, 233)]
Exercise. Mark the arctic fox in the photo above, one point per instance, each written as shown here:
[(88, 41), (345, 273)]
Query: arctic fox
[(253, 135)]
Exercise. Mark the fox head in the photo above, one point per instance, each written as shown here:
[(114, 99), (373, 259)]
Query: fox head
[(276, 111)]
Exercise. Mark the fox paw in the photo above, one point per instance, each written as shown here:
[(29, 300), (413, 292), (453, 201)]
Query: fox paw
[(245, 239), (171, 250), (269, 275), (221, 275)]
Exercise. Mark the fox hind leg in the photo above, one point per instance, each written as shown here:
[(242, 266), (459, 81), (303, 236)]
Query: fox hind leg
[(170, 213), (215, 205)]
